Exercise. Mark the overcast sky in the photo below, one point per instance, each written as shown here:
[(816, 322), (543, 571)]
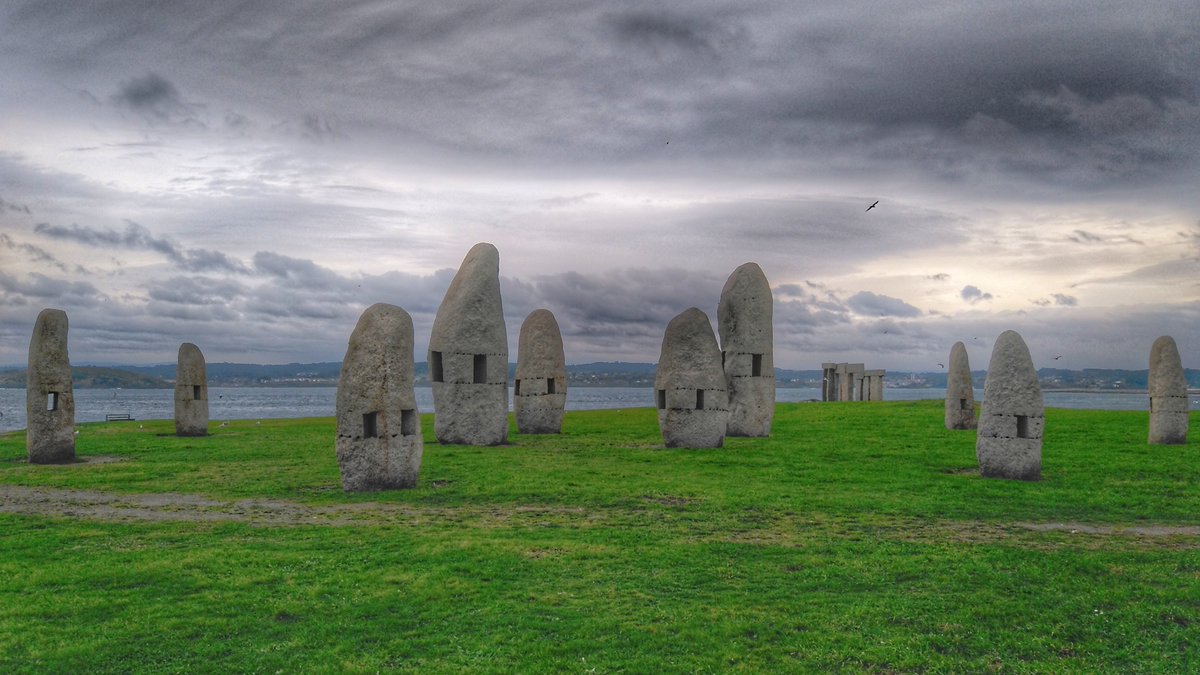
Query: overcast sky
[(250, 176)]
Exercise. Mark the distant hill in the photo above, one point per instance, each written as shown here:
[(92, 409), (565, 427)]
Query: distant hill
[(93, 377)]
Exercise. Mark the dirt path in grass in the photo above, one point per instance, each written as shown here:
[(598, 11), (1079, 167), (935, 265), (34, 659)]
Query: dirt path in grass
[(781, 529)]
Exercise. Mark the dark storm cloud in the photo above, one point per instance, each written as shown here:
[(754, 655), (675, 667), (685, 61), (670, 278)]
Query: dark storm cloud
[(867, 303), (137, 237)]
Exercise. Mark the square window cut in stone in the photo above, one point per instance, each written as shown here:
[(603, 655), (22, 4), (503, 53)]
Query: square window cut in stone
[(550, 385), (962, 404), (1023, 426), (408, 422), (435, 367), (480, 369), (196, 392), (662, 399), (52, 401), (371, 425), (699, 399), (756, 365)]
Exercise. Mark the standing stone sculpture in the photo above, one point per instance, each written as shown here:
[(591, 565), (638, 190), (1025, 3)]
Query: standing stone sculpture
[(960, 396), (744, 321), (1168, 394), (540, 389), (1011, 422), (872, 386), (689, 387), (379, 441), (49, 395), (468, 355), (191, 392)]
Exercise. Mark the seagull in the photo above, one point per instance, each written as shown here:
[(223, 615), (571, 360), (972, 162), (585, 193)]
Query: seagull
[(941, 365), (222, 424), (1058, 357), (873, 205)]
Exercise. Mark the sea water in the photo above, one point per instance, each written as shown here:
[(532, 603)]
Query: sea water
[(253, 403)]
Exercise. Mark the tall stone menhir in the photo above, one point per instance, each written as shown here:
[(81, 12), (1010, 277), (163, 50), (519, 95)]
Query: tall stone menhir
[(744, 320), (1168, 394), (379, 442), (191, 392), (1009, 441), (540, 390), (960, 396), (689, 387), (468, 355), (49, 396)]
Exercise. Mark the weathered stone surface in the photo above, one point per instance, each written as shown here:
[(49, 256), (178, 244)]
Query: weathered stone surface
[(191, 392), (744, 321), (1011, 422), (960, 396), (540, 390), (379, 442), (49, 396), (1168, 394), (468, 355), (872, 387), (689, 388)]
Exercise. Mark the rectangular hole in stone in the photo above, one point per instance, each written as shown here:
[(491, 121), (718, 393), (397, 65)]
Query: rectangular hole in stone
[(435, 367), (195, 392), (962, 404), (1022, 426), (662, 399), (408, 422), (756, 365), (370, 425), (550, 385), (517, 388), (481, 369), (722, 360), (699, 399), (52, 401)]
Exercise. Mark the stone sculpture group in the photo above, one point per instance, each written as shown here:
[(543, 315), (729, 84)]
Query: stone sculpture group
[(704, 390), (851, 382)]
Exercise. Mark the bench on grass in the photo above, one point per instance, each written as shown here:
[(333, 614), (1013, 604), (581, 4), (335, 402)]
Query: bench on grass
[(118, 417)]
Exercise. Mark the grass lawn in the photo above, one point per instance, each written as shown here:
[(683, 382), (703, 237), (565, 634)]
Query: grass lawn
[(857, 538)]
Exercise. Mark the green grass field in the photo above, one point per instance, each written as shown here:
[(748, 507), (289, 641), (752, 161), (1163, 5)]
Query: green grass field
[(858, 538)]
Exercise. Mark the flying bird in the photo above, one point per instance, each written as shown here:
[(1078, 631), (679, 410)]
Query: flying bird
[(1058, 357), (873, 205), (941, 365)]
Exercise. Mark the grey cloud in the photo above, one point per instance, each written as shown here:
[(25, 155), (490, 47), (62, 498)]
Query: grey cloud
[(659, 32), (972, 294), (867, 303), (13, 207), (137, 237), (42, 287), (1084, 237), (1117, 114), (1064, 300), (35, 254), (940, 276), (156, 99)]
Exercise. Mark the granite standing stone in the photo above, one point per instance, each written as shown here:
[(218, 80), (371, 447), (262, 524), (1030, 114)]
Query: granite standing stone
[(1011, 422), (468, 355), (379, 442), (49, 395), (1168, 394), (191, 392), (960, 396), (744, 321), (873, 384), (540, 390), (689, 387)]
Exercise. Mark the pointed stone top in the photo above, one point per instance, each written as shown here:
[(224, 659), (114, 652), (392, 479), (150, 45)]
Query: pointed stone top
[(1012, 385), (744, 314), (190, 352), (471, 316), (540, 348), (1166, 369), (48, 348), (689, 350)]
